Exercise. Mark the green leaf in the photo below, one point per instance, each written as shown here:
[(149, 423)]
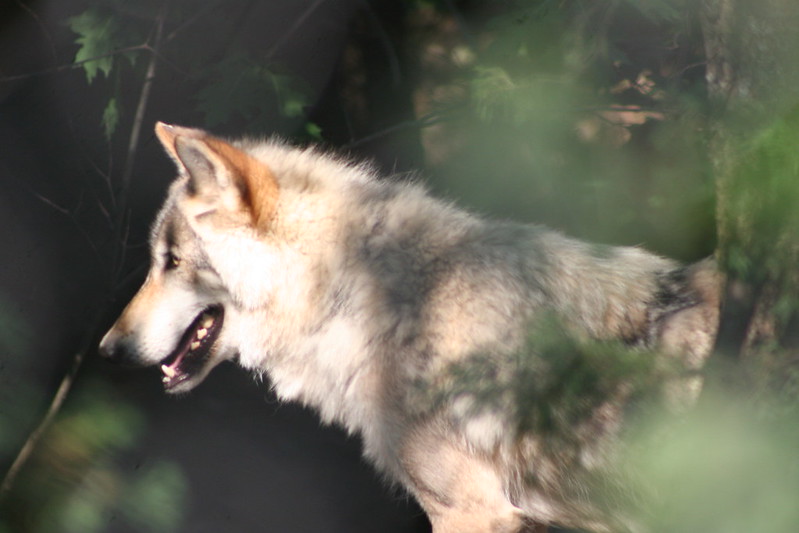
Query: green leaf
[(314, 131), (294, 105), (98, 35), (110, 117)]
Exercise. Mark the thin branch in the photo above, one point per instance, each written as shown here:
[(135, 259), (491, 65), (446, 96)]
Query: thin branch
[(420, 123), (35, 16), (106, 178), (68, 212), (385, 40), (55, 406), (75, 64), (50, 203), (142, 105), (131, 276), (288, 34), (103, 211), (188, 22), (133, 145), (121, 236), (36, 434)]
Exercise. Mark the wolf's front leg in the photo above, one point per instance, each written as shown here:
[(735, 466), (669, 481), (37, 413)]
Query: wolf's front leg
[(460, 492)]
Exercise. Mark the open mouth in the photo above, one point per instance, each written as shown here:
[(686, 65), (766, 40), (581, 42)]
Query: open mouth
[(194, 347)]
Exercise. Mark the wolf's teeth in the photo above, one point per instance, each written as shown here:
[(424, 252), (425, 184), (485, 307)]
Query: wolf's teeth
[(195, 345), (208, 321), (168, 371), (201, 333)]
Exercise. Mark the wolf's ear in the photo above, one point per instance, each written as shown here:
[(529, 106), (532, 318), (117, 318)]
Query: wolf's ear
[(220, 176), (167, 134)]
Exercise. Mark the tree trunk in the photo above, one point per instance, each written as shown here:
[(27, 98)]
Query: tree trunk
[(751, 76)]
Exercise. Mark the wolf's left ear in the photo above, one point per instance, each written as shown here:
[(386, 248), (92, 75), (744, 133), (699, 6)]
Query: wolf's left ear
[(220, 176), (167, 134)]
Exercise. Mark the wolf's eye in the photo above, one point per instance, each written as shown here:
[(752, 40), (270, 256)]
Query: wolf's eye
[(172, 261)]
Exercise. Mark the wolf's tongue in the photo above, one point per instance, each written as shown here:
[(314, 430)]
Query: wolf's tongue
[(172, 370)]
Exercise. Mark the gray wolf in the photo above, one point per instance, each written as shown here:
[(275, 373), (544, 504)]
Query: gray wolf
[(407, 321)]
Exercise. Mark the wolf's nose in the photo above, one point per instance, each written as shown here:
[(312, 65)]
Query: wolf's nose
[(119, 354), (120, 348), (113, 349), (106, 347), (105, 351)]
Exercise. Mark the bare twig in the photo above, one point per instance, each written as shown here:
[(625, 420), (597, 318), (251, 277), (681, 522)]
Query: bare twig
[(33, 439), (76, 64), (35, 16), (55, 406), (144, 97), (272, 50), (189, 21), (423, 122), (385, 40), (50, 203), (120, 227)]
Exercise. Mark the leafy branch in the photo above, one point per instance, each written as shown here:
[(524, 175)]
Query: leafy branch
[(103, 38), (93, 332)]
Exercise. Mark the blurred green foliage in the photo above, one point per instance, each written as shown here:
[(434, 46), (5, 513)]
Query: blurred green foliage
[(729, 464), (764, 219), (725, 466), (555, 383), (75, 483)]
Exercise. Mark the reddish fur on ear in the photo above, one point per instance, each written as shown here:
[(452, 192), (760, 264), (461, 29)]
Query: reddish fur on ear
[(254, 179), (257, 183)]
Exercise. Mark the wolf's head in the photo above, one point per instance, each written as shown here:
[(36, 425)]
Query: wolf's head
[(185, 314)]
